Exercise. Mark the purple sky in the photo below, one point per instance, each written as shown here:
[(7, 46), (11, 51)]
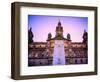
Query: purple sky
[(42, 25)]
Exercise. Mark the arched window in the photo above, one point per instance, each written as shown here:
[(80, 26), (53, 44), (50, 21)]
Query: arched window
[(81, 61), (75, 61), (86, 61)]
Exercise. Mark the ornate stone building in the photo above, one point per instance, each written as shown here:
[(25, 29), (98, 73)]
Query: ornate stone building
[(40, 53)]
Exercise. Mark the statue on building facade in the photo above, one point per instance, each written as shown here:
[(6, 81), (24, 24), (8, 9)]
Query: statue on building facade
[(85, 36), (30, 36)]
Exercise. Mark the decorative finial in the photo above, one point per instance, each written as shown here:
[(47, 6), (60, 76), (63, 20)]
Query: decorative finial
[(59, 23), (30, 28), (59, 20), (84, 30), (68, 36)]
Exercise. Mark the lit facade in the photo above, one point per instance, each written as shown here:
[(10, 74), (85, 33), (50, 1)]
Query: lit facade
[(40, 53)]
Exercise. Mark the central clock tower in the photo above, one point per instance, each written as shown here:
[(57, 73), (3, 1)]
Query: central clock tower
[(59, 30)]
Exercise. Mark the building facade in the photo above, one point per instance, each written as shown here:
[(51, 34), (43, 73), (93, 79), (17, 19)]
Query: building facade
[(41, 53)]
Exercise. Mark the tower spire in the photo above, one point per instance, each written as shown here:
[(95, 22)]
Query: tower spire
[(59, 30), (59, 20), (59, 23)]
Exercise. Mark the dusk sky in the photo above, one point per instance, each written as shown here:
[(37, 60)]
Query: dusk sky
[(42, 25)]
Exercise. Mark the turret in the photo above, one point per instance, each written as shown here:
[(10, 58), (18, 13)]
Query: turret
[(49, 36)]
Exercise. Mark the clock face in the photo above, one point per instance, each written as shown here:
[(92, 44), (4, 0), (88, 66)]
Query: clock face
[(59, 45)]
